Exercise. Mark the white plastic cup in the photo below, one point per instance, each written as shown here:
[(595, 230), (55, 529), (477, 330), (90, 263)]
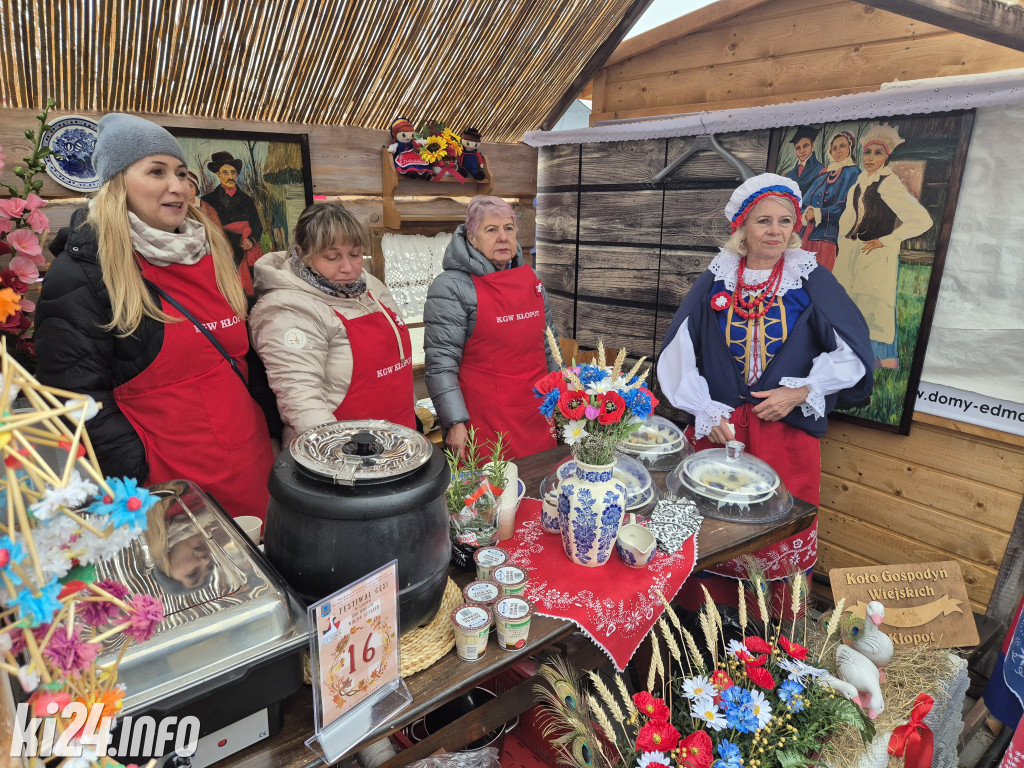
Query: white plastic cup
[(251, 525)]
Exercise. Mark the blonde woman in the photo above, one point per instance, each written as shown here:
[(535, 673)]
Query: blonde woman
[(142, 309), (329, 332)]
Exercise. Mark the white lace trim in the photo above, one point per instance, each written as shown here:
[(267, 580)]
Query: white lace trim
[(797, 266), (938, 94), (709, 418), (814, 405)]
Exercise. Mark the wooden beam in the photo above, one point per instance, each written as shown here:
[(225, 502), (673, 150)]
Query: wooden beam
[(990, 20), (636, 10)]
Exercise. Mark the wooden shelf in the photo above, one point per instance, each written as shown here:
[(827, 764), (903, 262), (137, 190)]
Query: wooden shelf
[(439, 207)]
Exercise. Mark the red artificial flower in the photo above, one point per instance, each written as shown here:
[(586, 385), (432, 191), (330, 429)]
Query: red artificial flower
[(795, 650), (652, 707), (9, 279), (612, 406), (657, 736), (757, 645), (757, 661), (553, 380), (761, 677), (695, 750), (721, 680), (573, 404), (721, 300)]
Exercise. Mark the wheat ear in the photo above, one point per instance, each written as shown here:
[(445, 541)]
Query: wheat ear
[(556, 351), (606, 695), (742, 606), (694, 652), (619, 360)]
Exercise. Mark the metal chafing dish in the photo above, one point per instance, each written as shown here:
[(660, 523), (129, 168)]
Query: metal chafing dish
[(231, 640)]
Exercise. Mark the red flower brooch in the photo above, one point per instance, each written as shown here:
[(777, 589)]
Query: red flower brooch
[(721, 301)]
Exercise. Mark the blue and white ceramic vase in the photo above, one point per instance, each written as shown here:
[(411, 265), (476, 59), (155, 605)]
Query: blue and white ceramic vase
[(590, 509)]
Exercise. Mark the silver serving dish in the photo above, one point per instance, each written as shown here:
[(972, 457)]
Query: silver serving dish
[(727, 484), (225, 608), (658, 444), (368, 450)]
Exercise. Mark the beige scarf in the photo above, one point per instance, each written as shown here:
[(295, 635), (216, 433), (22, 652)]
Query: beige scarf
[(161, 248)]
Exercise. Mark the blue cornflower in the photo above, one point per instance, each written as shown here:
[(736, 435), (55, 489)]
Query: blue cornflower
[(730, 754), (547, 408), (742, 718), (39, 609), (128, 506), (15, 552), (735, 696), (591, 374), (790, 694), (639, 402)]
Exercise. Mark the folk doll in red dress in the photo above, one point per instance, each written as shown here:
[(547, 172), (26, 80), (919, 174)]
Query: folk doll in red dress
[(764, 346), (484, 320), (405, 148), (143, 310)]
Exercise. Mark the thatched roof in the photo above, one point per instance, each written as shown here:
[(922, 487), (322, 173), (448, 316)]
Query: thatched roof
[(499, 65)]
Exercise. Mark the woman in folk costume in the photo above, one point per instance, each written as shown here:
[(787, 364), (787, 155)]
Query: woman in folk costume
[(764, 346), (485, 319), (868, 260), (329, 332), (824, 201), (143, 310)]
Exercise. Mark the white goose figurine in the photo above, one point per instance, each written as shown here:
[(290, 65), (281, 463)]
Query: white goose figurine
[(858, 670), (841, 687), (873, 642)]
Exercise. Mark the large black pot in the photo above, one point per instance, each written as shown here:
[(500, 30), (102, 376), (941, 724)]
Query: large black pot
[(322, 536)]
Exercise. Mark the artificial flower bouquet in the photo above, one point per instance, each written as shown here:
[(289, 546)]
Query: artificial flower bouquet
[(63, 519), (594, 407), (441, 149), (758, 701), (474, 494)]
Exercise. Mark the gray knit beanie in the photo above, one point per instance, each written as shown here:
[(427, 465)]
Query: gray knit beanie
[(125, 139)]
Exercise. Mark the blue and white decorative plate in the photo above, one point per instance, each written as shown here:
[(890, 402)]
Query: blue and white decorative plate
[(71, 141)]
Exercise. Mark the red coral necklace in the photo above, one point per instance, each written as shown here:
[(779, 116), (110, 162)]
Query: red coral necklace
[(762, 295)]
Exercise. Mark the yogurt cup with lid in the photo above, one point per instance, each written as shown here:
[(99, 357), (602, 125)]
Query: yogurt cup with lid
[(472, 624), (512, 579), (487, 559), (512, 622), (481, 593)]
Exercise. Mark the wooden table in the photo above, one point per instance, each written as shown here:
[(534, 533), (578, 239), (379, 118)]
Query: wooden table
[(450, 677)]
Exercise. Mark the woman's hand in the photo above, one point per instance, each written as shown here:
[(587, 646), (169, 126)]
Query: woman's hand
[(871, 245), (247, 243), (458, 435), (809, 216), (779, 402), (722, 433)]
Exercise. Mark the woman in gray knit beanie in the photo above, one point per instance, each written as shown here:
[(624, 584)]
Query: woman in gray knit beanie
[(143, 310)]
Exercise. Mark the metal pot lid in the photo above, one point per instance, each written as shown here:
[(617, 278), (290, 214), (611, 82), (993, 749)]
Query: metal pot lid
[(370, 450)]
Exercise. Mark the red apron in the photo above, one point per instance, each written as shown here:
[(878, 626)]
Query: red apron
[(194, 416), (381, 386), (796, 456), (503, 359)]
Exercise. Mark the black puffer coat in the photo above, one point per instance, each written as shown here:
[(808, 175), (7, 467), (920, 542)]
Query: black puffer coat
[(76, 353)]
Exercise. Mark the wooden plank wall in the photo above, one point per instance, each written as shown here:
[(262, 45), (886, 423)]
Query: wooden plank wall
[(618, 256), (345, 163), (787, 50)]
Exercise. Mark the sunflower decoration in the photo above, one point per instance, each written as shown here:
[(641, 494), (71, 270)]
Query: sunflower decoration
[(442, 146), (435, 149)]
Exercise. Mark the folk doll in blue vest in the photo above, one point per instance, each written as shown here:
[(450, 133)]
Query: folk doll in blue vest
[(868, 257), (765, 345), (405, 148), (470, 163)]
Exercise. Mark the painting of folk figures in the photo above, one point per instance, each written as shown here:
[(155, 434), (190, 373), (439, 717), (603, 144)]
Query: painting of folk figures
[(254, 185), (879, 197)]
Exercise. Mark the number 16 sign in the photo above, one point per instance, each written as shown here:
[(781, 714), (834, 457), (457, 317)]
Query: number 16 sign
[(354, 650)]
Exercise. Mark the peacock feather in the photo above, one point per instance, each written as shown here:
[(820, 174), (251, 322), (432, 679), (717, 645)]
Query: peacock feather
[(567, 721), (852, 626)]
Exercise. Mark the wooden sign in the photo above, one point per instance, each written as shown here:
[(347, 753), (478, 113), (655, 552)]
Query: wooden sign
[(925, 603)]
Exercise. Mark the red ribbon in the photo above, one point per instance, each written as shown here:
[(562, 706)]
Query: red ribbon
[(914, 738)]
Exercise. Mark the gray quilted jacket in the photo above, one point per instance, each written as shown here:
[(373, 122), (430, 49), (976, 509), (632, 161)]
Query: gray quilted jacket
[(449, 317)]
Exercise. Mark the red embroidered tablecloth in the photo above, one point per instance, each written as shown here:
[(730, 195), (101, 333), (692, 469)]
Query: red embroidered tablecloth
[(614, 604)]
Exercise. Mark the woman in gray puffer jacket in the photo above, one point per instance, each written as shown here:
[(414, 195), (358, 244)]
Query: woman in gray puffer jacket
[(485, 319)]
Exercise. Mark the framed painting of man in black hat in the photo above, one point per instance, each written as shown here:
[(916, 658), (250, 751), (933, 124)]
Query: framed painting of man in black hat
[(254, 185)]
